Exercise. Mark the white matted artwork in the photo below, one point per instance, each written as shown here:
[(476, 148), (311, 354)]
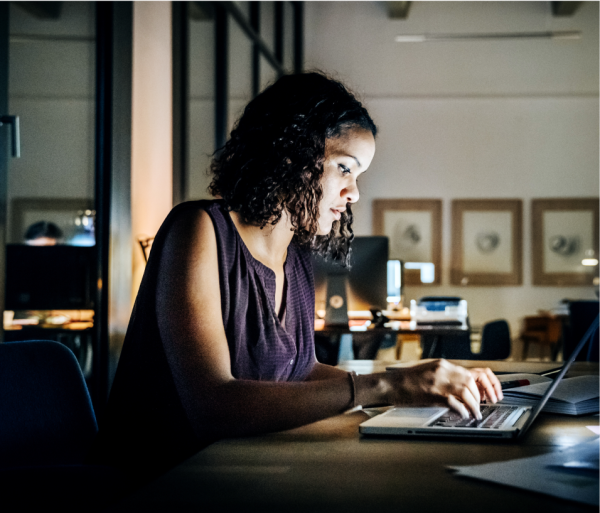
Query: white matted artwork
[(410, 235), (487, 245), (487, 242), (565, 234), (567, 237), (413, 227)]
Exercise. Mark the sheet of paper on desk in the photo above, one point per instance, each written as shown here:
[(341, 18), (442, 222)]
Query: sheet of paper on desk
[(571, 474)]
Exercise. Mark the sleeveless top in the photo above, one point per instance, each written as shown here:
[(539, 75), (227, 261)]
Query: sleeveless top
[(144, 429)]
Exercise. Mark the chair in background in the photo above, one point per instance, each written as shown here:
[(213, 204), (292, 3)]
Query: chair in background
[(581, 316), (495, 341), (545, 330), (47, 424)]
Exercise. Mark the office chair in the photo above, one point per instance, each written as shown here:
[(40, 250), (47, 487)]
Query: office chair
[(495, 341), (47, 424)]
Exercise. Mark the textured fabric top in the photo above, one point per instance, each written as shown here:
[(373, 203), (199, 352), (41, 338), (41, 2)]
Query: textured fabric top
[(260, 347), (144, 429)]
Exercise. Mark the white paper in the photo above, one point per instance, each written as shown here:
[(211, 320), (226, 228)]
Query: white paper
[(551, 474)]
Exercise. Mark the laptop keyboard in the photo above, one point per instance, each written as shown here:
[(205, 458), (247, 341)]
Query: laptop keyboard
[(492, 418)]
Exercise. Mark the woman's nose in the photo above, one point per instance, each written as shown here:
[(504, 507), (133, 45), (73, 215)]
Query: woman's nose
[(351, 193)]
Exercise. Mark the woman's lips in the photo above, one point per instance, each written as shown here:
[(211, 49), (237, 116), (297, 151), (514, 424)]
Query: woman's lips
[(337, 214)]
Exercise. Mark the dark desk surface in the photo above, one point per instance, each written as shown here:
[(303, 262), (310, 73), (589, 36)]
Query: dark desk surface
[(327, 467)]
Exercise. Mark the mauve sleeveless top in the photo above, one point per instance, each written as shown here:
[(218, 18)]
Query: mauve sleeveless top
[(144, 429)]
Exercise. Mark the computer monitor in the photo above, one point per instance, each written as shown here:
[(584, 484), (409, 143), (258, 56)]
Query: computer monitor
[(363, 287), (50, 277)]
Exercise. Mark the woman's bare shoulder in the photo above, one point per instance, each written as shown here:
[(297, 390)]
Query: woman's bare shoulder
[(190, 228)]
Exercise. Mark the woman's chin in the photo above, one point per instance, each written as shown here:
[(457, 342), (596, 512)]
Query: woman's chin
[(324, 230)]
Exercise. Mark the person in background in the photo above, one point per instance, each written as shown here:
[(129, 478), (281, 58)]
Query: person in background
[(43, 233), (221, 338)]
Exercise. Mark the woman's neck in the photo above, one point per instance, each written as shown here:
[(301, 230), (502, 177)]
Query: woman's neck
[(268, 245)]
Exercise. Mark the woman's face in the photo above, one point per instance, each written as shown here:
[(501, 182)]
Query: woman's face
[(346, 157)]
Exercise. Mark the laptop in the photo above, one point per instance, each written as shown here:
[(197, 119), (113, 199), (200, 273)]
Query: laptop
[(499, 420)]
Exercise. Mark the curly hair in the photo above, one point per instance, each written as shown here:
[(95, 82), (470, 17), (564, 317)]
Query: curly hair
[(274, 158)]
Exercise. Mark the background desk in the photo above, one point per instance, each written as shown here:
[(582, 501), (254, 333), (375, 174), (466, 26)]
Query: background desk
[(366, 343), (327, 467)]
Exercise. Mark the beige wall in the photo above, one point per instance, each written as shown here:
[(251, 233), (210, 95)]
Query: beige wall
[(152, 124), (486, 119)]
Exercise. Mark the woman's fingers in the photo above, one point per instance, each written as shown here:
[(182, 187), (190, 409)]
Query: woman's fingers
[(486, 388), (471, 401), (457, 406), (474, 389), (489, 384)]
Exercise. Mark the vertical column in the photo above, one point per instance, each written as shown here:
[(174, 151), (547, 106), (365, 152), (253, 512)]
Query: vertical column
[(221, 74), (298, 37)]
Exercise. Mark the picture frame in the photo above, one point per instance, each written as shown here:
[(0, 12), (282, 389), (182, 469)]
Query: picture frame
[(487, 242), (414, 228), (60, 211), (564, 232)]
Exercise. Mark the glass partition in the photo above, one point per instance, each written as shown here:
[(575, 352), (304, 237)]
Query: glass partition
[(255, 44)]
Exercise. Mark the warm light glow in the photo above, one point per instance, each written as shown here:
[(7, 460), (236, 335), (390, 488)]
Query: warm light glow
[(427, 38), (589, 261)]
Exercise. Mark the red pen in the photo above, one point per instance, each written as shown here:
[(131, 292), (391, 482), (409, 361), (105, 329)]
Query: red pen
[(515, 383)]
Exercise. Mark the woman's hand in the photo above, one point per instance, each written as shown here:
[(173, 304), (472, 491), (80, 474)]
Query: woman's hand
[(489, 387), (442, 383)]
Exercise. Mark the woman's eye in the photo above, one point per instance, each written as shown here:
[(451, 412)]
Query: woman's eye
[(344, 169)]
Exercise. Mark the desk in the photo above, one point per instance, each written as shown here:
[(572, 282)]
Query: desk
[(327, 467), (366, 342)]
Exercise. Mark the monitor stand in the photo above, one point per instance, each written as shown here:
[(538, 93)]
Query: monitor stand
[(336, 312)]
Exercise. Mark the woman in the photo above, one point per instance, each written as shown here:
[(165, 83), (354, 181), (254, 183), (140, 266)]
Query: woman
[(221, 340)]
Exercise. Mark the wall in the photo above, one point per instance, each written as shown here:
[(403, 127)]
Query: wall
[(485, 119), (152, 124)]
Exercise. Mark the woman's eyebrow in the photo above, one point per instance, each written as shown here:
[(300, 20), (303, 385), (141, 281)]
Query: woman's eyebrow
[(352, 157)]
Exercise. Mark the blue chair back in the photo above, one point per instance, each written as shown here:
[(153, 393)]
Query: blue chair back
[(46, 415)]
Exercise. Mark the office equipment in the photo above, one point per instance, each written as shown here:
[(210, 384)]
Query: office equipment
[(395, 281), (362, 287), (50, 277), (499, 421), (443, 311), (439, 310)]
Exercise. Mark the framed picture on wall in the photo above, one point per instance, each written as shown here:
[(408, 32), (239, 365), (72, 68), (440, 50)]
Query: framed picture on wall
[(564, 240), (414, 228), (487, 242)]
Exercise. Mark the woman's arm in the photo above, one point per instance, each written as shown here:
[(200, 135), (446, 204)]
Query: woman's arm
[(190, 323), (321, 371)]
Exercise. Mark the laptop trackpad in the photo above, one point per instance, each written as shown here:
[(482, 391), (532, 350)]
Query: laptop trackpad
[(411, 417)]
